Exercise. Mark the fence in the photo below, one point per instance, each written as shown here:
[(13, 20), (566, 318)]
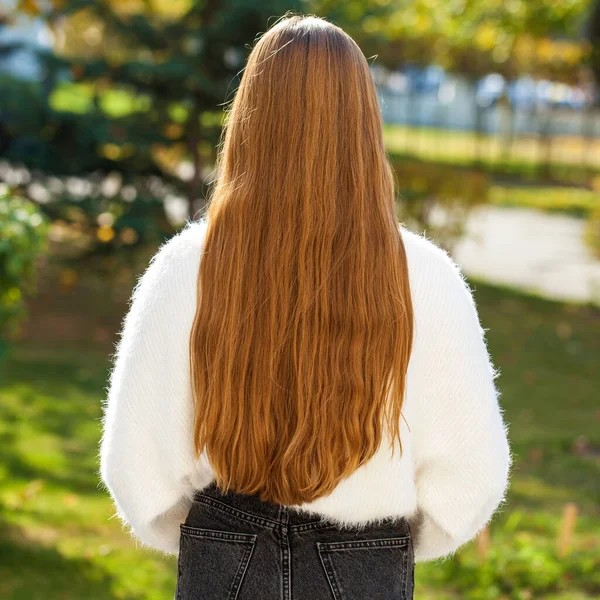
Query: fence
[(451, 123)]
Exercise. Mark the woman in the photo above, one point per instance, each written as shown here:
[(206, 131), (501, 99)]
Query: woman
[(302, 404)]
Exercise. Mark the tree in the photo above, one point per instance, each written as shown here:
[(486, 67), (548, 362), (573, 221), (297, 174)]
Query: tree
[(23, 232), (592, 33), (172, 63), (474, 37)]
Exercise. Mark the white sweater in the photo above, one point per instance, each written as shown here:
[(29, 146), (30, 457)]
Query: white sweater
[(451, 477)]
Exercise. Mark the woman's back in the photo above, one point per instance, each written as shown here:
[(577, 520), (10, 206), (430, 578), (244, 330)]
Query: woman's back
[(455, 461), (297, 352)]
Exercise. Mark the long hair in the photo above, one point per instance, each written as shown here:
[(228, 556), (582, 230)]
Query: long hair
[(304, 324)]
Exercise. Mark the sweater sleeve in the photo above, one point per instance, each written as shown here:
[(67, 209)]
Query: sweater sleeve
[(460, 440), (146, 450)]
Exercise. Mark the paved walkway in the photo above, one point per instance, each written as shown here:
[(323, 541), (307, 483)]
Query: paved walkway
[(531, 250)]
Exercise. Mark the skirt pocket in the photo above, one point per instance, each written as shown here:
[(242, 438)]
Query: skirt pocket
[(212, 563), (377, 569)]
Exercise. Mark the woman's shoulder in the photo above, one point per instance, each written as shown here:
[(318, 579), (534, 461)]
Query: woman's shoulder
[(170, 276), (426, 258), (180, 253), (423, 251), (185, 242), (438, 284)]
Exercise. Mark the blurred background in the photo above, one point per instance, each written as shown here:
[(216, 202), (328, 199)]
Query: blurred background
[(110, 114)]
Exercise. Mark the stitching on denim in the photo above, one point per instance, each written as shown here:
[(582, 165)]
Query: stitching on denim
[(237, 512), (281, 557), (180, 571), (286, 552), (300, 527), (329, 573), (297, 528), (217, 534), (241, 572), (411, 572), (401, 542), (405, 573)]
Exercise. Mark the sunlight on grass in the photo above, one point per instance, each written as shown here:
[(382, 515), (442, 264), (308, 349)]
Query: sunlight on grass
[(571, 160), (570, 200), (59, 537), (463, 146)]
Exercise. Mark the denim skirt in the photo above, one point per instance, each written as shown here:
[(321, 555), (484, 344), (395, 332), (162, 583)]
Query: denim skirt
[(238, 547)]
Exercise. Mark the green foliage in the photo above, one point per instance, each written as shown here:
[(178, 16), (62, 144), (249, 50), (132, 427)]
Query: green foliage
[(438, 198), (592, 230), (23, 231), (539, 37), (96, 224), (531, 569), (38, 136), (155, 65), (567, 200)]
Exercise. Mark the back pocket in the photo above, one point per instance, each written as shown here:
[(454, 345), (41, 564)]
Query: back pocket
[(377, 569), (212, 564)]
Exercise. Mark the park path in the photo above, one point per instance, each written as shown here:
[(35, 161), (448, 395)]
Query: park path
[(524, 248), (531, 250)]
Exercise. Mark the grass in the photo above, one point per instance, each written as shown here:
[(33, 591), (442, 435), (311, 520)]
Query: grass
[(557, 199), (57, 540), (571, 159), (56, 536)]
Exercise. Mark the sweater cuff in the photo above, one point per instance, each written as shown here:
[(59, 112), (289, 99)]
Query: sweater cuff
[(430, 541), (164, 529)]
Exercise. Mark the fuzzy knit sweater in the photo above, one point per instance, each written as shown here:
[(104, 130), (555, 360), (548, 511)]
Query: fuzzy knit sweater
[(449, 481)]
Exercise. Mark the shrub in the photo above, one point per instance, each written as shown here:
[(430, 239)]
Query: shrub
[(23, 230), (520, 565), (438, 198)]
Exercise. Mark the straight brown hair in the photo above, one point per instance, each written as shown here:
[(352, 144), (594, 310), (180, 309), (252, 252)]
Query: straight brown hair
[(304, 324)]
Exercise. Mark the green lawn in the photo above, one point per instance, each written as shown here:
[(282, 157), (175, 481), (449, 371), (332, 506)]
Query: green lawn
[(558, 199), (57, 540), (571, 159)]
